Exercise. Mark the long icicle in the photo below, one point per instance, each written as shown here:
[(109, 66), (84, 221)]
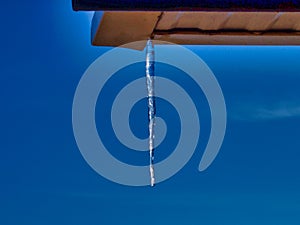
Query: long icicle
[(151, 104)]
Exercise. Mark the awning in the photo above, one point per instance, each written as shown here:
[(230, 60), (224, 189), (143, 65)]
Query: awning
[(197, 28), (202, 22)]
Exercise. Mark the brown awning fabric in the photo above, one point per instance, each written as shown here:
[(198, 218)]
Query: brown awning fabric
[(113, 28)]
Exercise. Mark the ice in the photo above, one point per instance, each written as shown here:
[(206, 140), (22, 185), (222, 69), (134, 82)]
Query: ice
[(151, 105)]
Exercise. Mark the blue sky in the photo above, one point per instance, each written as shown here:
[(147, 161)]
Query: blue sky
[(45, 49)]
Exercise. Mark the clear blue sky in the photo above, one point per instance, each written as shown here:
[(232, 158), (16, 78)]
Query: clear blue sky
[(45, 49)]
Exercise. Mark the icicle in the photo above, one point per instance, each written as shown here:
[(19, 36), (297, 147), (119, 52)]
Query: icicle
[(151, 104)]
